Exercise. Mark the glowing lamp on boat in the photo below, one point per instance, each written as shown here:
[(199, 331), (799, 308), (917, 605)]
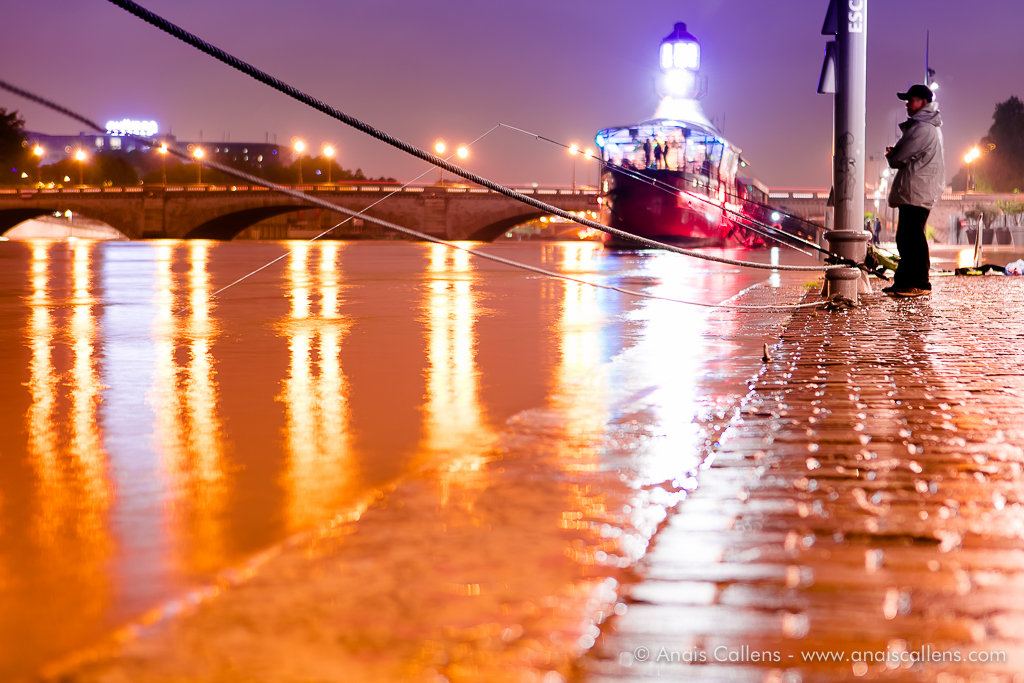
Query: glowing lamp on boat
[(680, 61)]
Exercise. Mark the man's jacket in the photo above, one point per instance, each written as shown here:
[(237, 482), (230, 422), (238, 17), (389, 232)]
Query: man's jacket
[(917, 158)]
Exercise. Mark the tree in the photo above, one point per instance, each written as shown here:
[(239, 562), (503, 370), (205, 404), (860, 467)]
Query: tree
[(15, 156), (1002, 168), (99, 169)]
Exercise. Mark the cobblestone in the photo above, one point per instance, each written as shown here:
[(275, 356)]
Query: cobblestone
[(864, 497)]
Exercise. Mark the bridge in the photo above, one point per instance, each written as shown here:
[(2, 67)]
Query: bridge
[(810, 204), (221, 212)]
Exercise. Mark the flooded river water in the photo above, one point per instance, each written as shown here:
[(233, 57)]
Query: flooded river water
[(387, 458)]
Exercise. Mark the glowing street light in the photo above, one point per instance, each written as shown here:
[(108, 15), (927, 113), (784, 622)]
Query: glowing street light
[(80, 158), (970, 157), (574, 149), (328, 153), (463, 152), (39, 151), (440, 147), (198, 153), (162, 150), (299, 146)]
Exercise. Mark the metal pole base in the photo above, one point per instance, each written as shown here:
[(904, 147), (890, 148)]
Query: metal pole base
[(844, 281)]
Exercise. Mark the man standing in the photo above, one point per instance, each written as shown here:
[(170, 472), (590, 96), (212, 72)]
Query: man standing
[(920, 177)]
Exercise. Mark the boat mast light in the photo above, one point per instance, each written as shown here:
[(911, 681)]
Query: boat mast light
[(680, 61)]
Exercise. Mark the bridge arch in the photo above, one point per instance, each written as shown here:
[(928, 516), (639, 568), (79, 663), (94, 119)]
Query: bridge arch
[(12, 217), (492, 231), (227, 226)]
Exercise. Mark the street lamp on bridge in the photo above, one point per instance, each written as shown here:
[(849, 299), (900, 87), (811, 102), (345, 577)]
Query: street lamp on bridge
[(198, 153), (38, 151), (328, 153), (80, 158), (574, 149), (440, 147), (299, 147), (162, 150)]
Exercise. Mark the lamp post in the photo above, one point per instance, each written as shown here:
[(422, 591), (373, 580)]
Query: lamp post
[(38, 151), (328, 153), (574, 149), (198, 153), (440, 147), (299, 147), (970, 157), (80, 158), (162, 150), (588, 154)]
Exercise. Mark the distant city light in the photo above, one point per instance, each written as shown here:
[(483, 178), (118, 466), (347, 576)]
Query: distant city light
[(37, 150), (463, 152), (198, 153), (163, 148), (300, 146), (132, 127), (328, 151), (79, 155), (439, 147), (574, 149)]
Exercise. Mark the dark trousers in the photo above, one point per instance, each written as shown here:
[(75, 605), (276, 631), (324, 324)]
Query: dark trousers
[(913, 247)]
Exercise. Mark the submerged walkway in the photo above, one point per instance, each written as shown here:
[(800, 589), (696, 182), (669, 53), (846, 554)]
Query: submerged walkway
[(863, 505)]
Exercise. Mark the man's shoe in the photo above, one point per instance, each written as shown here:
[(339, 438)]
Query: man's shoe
[(911, 291)]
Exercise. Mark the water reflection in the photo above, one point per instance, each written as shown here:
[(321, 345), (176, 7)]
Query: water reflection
[(64, 445), (315, 392), (455, 429), (42, 443), (185, 395)]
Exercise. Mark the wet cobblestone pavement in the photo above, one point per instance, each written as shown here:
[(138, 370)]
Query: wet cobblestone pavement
[(863, 504)]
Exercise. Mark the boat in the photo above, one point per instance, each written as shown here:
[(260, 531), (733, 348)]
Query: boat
[(674, 178)]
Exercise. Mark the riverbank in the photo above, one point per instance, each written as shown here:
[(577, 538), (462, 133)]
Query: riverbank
[(863, 508)]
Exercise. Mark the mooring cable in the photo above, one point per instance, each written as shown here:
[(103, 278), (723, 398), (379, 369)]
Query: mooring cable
[(316, 201), (294, 93)]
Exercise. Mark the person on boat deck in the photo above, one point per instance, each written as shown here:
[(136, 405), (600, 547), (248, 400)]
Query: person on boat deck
[(657, 154), (647, 153), (664, 154), (920, 177)]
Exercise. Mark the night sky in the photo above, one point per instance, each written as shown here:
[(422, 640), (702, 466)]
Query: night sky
[(452, 70)]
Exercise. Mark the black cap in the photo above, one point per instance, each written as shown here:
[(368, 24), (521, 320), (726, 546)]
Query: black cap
[(922, 91)]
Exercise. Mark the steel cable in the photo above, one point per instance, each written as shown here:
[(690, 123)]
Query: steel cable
[(316, 201), (265, 78)]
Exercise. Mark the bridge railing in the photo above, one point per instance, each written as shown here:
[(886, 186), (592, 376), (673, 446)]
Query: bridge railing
[(340, 188)]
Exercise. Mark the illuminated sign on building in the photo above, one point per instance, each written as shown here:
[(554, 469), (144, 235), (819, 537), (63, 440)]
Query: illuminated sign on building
[(130, 127)]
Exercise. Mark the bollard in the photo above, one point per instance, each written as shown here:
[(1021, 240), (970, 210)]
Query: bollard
[(849, 282)]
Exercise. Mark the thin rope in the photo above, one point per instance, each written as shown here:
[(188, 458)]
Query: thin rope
[(281, 86), (316, 201)]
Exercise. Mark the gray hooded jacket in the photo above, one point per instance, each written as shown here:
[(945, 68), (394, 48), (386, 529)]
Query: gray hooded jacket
[(921, 170)]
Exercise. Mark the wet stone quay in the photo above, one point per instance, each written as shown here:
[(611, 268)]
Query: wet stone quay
[(860, 517)]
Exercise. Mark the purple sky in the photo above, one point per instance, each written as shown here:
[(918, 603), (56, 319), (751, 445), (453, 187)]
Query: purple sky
[(564, 69)]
